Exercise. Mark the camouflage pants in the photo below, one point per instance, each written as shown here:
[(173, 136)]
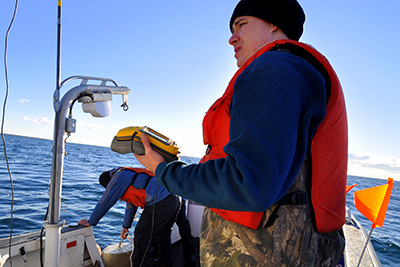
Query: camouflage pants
[(289, 242), (292, 240)]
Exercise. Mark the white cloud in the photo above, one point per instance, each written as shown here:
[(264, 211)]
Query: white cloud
[(42, 120), (368, 165), (90, 126), (369, 160), (23, 101), (94, 126)]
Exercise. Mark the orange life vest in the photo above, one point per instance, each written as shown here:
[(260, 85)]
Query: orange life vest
[(328, 147), (134, 195)]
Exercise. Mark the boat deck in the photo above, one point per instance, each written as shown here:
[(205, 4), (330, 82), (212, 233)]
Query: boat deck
[(355, 242)]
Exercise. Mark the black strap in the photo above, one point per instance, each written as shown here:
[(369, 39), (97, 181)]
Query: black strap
[(147, 180), (310, 58), (295, 198), (133, 137), (134, 178)]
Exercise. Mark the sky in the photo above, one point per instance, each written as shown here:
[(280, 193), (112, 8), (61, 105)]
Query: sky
[(175, 58)]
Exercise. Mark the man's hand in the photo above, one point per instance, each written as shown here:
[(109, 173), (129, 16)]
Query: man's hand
[(124, 232), (151, 158), (84, 222)]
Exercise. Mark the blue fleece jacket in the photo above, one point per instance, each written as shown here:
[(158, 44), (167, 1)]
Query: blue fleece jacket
[(278, 102), (116, 189)]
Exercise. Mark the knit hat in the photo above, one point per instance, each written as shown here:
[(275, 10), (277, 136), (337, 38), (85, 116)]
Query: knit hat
[(105, 178), (288, 15)]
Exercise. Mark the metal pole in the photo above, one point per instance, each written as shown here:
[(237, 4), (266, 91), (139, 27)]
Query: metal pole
[(366, 244), (53, 225)]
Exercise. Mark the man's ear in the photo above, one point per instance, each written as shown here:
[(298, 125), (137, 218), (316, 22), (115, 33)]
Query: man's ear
[(274, 27)]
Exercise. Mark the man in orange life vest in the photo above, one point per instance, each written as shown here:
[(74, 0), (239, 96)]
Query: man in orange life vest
[(274, 175), (138, 188)]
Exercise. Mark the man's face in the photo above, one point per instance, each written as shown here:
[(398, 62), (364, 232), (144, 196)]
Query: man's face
[(249, 35)]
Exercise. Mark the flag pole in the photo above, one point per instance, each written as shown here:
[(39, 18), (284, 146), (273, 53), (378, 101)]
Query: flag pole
[(373, 203), (366, 244)]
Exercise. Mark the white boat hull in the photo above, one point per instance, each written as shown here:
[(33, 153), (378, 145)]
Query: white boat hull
[(77, 248)]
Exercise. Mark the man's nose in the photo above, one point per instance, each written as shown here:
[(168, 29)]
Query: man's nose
[(234, 38)]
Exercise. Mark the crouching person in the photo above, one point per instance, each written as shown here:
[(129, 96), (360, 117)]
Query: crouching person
[(139, 188)]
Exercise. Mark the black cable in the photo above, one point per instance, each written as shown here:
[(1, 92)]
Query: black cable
[(152, 228), (73, 102), (2, 126), (41, 237)]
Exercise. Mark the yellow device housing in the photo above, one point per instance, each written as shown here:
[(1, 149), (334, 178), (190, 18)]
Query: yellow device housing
[(128, 140)]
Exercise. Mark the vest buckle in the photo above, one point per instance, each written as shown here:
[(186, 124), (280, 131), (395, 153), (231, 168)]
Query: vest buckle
[(300, 198), (208, 149)]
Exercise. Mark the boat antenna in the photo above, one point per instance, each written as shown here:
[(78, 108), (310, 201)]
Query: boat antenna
[(58, 67), (2, 125)]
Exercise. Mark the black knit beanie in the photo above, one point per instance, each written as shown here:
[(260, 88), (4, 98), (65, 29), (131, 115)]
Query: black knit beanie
[(104, 178), (288, 15)]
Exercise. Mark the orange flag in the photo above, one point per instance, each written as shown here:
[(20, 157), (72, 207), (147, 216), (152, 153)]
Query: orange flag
[(373, 202), (349, 187)]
